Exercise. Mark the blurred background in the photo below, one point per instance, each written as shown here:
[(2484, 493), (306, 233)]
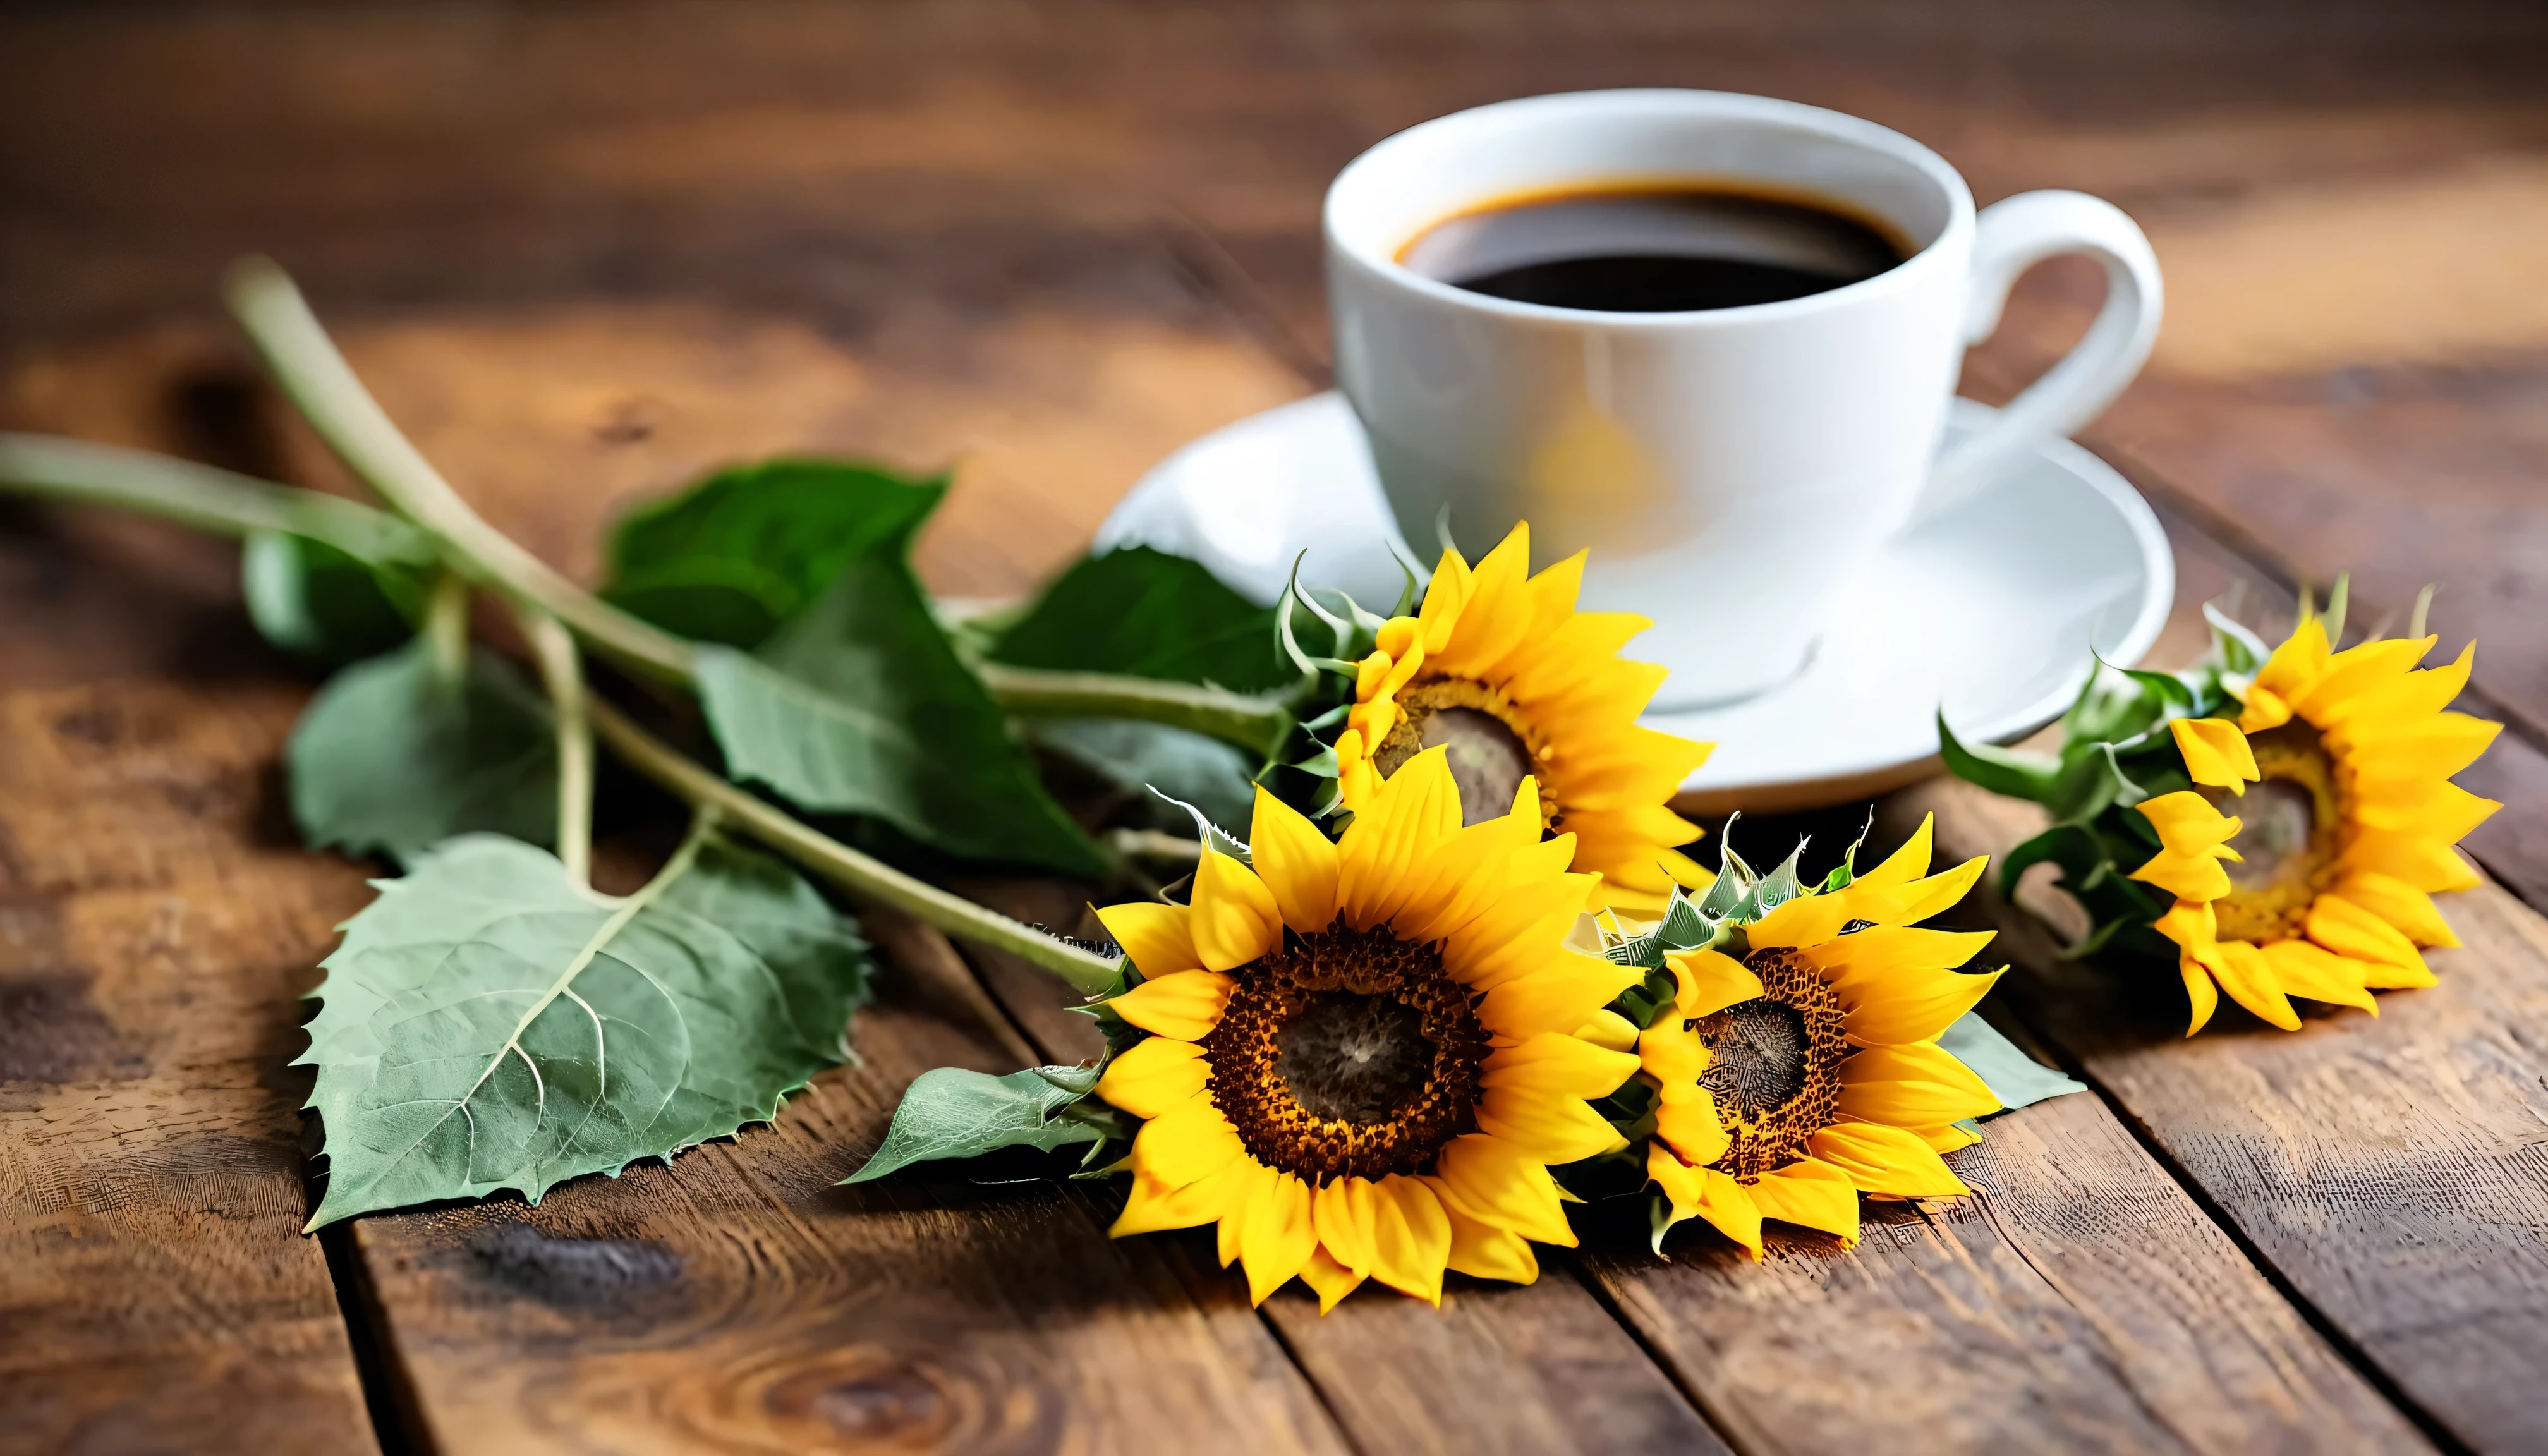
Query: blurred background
[(583, 251)]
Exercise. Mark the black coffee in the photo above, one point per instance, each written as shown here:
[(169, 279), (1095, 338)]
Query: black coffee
[(1652, 251)]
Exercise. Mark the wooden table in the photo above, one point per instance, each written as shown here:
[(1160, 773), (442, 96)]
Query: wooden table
[(583, 252)]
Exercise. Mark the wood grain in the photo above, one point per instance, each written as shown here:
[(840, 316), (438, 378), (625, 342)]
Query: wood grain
[(1498, 1368), (737, 1301), (2079, 1300), (154, 1294)]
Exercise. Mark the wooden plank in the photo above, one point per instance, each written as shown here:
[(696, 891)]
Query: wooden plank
[(1498, 1368), (154, 933), (737, 1301), (2079, 1300)]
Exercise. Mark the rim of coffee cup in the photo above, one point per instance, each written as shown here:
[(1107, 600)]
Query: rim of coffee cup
[(1396, 153)]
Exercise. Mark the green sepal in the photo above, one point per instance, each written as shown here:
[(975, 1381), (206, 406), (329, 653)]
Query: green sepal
[(1641, 1003), (1631, 1108), (2015, 1078)]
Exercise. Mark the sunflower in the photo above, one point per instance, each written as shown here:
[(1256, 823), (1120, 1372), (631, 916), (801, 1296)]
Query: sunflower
[(1363, 1055), (2321, 885), (1500, 669), (1807, 1072)]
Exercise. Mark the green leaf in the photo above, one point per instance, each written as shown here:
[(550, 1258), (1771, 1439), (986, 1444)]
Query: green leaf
[(2088, 783), (1145, 614), (390, 757), (861, 705), (318, 601), (2015, 1078), (2002, 771), (955, 1112), (490, 1024), (734, 557), (1187, 767), (2241, 651)]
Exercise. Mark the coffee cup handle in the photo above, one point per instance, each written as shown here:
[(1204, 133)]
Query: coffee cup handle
[(2011, 236)]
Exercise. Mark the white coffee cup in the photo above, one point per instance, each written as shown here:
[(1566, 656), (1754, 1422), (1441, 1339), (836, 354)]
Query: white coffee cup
[(1730, 469)]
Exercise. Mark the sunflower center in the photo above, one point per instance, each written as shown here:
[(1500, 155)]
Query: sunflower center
[(1774, 1065), (1354, 1058), (1347, 1054), (2288, 828), (1488, 739), (2274, 824)]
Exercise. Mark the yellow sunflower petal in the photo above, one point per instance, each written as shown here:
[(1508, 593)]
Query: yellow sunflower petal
[(1690, 1125), (1153, 1206), (1913, 1086), (1896, 986), (1153, 1075), (1483, 1251), (1157, 939), (1496, 617), (2187, 822), (1906, 864), (1518, 932), (2438, 811), (1920, 898), (1555, 1065), (2357, 932), (1608, 1029), (1236, 920), (2358, 671), (1249, 1179), (2411, 858), (1887, 1160), (1553, 1130), (2286, 677), (1444, 598), (1945, 1138), (1496, 1182), (1343, 1211), (2215, 753), (1559, 998), (2202, 996), (1186, 1006), (1711, 980), (1673, 1054), (2186, 876), (2304, 969), (1295, 862), (2412, 695), (1187, 1143), (1332, 1281), (2401, 904), (1412, 1239), (1279, 1236), (1706, 1193), (1802, 923), (1411, 813), (2242, 971), (2423, 749), (1811, 1194)]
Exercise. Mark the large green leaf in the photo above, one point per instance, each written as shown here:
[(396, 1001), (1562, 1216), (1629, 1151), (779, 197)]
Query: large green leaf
[(1187, 767), (313, 600), (955, 1112), (391, 757), (740, 552), (1148, 614), (860, 705), (490, 1024)]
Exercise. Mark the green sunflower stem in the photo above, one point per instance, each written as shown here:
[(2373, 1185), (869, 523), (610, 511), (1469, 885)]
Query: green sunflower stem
[(316, 378), (562, 673), (77, 471), (863, 877), (1254, 724)]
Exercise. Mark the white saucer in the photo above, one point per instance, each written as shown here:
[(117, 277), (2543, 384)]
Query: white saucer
[(1987, 609)]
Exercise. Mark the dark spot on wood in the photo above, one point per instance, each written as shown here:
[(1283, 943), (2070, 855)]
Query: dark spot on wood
[(50, 1031), (573, 1273), (92, 724), (217, 416), (899, 1403)]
